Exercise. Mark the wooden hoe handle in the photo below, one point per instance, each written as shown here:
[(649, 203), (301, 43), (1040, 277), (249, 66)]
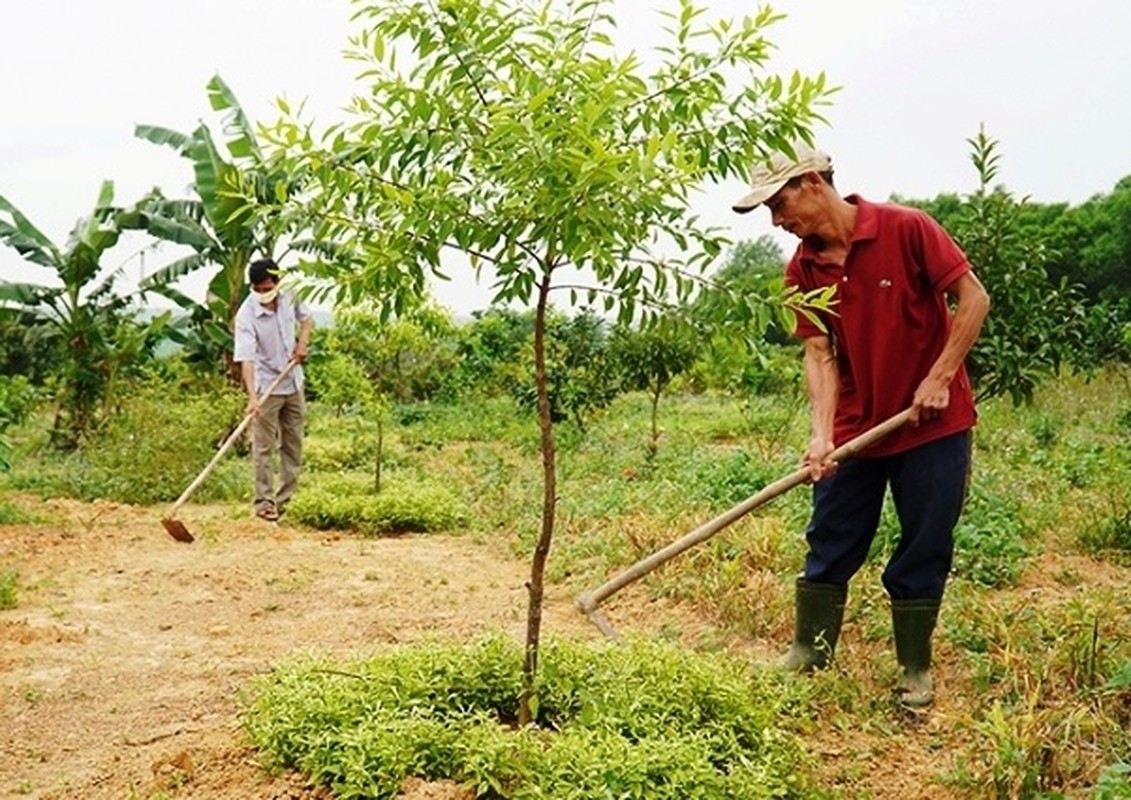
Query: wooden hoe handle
[(587, 602), (232, 437)]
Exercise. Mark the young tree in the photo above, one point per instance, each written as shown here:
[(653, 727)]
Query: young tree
[(489, 349), (580, 376), (340, 381), (516, 133), (741, 339), (406, 358), (649, 357), (1038, 323), (1035, 325)]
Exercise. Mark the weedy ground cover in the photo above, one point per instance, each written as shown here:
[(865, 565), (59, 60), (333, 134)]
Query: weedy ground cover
[(1033, 650), (645, 720), (1033, 658), (148, 452)]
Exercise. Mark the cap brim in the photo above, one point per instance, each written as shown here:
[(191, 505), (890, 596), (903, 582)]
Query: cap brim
[(758, 196)]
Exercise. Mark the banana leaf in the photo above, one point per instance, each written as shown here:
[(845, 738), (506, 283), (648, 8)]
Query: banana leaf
[(25, 238), (165, 136), (242, 143)]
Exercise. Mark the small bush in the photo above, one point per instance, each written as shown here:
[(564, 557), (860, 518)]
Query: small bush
[(992, 544), (9, 580), (1045, 429), (638, 721), (336, 455), (18, 398), (348, 502), (1109, 536)]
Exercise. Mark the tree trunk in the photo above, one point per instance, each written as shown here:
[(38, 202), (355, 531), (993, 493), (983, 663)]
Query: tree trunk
[(377, 459), (549, 500)]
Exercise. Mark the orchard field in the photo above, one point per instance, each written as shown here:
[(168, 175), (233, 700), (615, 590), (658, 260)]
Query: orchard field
[(130, 661), (408, 629)]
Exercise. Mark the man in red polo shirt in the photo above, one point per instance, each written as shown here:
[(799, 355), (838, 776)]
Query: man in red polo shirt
[(892, 343)]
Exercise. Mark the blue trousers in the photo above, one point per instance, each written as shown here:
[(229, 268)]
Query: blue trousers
[(928, 487)]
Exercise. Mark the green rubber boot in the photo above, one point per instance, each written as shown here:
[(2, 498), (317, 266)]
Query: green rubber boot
[(820, 611), (913, 622)]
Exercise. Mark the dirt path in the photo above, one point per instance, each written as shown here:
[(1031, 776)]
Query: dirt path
[(120, 666)]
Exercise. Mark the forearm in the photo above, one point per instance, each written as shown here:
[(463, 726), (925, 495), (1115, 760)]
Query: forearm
[(302, 346), (247, 373), (970, 312), (822, 380)]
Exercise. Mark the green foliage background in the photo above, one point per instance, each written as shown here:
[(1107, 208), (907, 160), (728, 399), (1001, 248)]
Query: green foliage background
[(154, 446)]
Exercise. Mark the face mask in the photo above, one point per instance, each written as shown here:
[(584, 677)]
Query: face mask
[(267, 297)]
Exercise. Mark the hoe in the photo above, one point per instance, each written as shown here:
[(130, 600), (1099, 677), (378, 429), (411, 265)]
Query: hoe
[(175, 527)]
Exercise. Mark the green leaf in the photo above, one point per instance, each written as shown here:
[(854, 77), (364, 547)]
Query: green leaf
[(242, 143), (165, 136)]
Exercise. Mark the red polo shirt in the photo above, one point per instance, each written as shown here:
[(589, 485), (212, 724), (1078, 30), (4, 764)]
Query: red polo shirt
[(891, 321)]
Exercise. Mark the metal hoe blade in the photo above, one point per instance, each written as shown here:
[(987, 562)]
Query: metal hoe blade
[(177, 530)]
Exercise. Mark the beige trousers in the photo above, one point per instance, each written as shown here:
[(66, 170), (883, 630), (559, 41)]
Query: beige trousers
[(280, 422)]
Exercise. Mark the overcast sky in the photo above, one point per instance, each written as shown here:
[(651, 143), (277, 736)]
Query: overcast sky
[(1048, 79)]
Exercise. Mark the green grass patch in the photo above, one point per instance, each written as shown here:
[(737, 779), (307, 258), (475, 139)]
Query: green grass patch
[(9, 584), (639, 721), (14, 514)]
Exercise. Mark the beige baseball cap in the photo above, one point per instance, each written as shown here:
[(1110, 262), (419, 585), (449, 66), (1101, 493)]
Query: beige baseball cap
[(767, 178)]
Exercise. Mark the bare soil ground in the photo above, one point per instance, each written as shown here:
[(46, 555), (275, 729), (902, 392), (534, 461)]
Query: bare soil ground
[(122, 664)]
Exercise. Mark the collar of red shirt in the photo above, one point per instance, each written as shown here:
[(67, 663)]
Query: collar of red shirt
[(867, 226)]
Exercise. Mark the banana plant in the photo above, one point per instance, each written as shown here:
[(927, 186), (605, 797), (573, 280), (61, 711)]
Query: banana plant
[(84, 317), (227, 224)]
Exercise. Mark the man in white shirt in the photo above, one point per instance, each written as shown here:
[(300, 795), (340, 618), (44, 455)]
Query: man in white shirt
[(265, 341)]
